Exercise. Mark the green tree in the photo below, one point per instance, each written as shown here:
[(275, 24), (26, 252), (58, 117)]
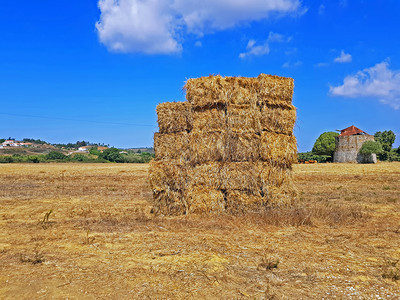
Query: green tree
[(33, 158), (325, 144), (2, 140), (80, 157), (112, 154), (370, 147), (54, 155), (81, 144), (394, 155), (386, 138), (38, 141), (94, 151)]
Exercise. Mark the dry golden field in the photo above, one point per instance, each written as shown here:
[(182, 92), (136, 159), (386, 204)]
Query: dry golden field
[(84, 231)]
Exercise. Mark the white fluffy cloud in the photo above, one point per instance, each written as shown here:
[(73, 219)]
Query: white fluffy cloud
[(343, 58), (376, 82), (137, 26), (253, 49), (158, 26)]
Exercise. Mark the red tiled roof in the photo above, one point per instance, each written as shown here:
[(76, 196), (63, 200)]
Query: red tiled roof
[(352, 130)]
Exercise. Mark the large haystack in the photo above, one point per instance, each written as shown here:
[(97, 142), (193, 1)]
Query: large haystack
[(228, 149)]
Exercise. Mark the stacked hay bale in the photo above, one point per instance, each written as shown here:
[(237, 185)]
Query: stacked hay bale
[(228, 148)]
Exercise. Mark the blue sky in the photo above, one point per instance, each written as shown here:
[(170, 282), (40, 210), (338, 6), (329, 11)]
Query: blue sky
[(95, 70)]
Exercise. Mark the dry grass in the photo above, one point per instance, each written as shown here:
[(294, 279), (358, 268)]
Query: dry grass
[(100, 241)]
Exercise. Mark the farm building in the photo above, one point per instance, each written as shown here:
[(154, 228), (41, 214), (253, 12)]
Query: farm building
[(348, 145)]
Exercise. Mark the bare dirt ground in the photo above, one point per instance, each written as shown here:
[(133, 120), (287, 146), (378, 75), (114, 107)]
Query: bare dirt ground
[(82, 231)]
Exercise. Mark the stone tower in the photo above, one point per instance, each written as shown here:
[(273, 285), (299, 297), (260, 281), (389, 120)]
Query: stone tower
[(348, 145)]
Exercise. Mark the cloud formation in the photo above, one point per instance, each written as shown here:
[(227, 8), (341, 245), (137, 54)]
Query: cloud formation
[(288, 64), (343, 58), (158, 26), (257, 50), (253, 50), (376, 82)]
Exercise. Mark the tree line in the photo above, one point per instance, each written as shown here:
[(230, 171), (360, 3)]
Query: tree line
[(112, 155)]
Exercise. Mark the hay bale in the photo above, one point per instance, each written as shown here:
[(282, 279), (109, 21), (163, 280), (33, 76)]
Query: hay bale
[(279, 119), (273, 175), (169, 203), (205, 200), (242, 90), (174, 117), (278, 149), (209, 149), (275, 90), (207, 146), (243, 147), (171, 145), (208, 174), (243, 118), (206, 91), (238, 202), (168, 175), (209, 119), (214, 90), (242, 176)]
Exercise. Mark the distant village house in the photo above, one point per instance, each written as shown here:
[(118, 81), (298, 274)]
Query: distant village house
[(84, 149), (14, 143), (87, 148)]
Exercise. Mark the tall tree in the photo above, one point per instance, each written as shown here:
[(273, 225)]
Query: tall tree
[(325, 144), (112, 154), (386, 138)]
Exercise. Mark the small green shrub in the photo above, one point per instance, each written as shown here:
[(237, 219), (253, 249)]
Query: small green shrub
[(5, 159), (34, 158), (370, 147), (54, 155), (394, 155), (80, 157)]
